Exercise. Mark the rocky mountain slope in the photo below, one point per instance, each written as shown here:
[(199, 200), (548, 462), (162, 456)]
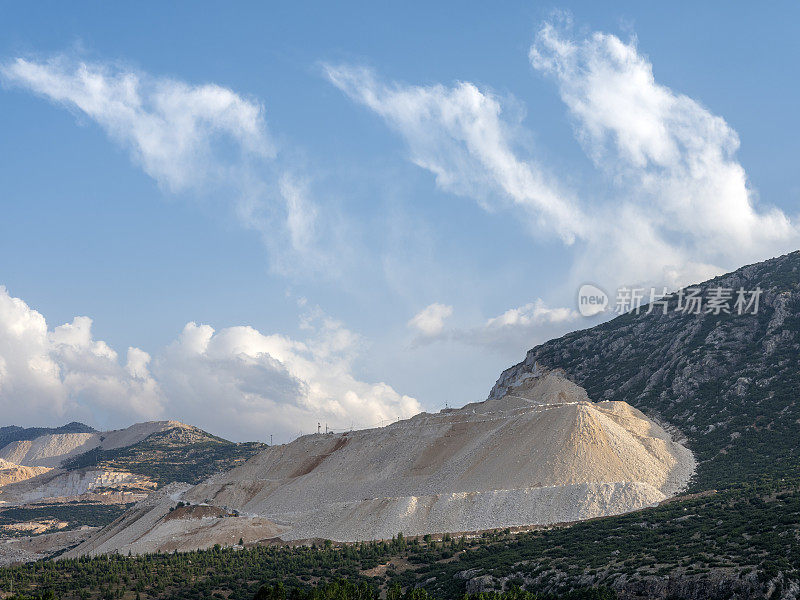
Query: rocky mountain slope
[(542, 453), (729, 382)]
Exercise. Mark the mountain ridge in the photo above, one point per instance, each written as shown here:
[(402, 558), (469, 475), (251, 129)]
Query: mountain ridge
[(15, 433), (728, 382)]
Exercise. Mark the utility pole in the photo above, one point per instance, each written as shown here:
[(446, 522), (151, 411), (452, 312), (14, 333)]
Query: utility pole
[(326, 429), (270, 439)]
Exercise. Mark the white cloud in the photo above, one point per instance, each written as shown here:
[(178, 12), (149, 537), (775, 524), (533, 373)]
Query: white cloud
[(678, 207), (250, 384), (63, 373), (460, 135), (206, 139), (236, 382), (531, 314), (430, 320), (510, 333), (682, 208), (168, 126)]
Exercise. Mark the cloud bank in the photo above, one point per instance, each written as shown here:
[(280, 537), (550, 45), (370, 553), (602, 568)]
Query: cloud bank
[(236, 382)]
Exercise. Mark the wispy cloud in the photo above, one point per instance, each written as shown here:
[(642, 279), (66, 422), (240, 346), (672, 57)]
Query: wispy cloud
[(205, 139), (677, 208), (169, 127), (678, 193), (459, 134)]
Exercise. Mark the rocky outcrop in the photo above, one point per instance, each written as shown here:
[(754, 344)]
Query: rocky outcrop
[(73, 484)]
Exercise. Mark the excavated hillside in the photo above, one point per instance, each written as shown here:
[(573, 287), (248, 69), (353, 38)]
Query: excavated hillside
[(73, 476), (52, 450), (12, 473), (542, 453)]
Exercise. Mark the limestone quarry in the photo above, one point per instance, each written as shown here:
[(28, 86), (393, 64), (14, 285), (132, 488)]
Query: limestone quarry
[(31, 470), (52, 450), (541, 453)]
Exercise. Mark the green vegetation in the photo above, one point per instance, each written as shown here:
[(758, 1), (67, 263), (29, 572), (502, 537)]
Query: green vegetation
[(177, 454), (93, 514), (751, 535), (346, 590)]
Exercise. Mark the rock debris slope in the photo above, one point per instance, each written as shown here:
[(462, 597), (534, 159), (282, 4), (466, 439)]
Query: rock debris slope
[(542, 453)]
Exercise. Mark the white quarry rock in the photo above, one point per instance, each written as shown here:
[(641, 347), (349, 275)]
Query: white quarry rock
[(542, 453)]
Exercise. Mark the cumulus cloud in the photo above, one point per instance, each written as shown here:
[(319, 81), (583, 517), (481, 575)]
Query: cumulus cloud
[(66, 373), (200, 138), (459, 134), (430, 320), (251, 384), (236, 382)]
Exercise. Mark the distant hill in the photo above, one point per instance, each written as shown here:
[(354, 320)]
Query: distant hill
[(13, 433), (179, 453), (66, 477)]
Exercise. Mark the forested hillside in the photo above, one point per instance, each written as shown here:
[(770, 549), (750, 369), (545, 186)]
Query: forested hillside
[(739, 543)]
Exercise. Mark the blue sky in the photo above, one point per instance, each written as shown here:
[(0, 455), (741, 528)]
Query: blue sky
[(394, 203)]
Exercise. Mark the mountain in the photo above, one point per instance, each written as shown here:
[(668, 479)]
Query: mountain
[(177, 452), (542, 453), (73, 476), (13, 433), (727, 381)]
